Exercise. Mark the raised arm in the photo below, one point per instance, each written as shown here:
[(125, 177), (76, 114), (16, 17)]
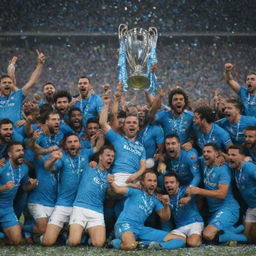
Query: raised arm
[(36, 73), (49, 164), (156, 104), (164, 213), (11, 72), (115, 188), (104, 114), (114, 111), (229, 78)]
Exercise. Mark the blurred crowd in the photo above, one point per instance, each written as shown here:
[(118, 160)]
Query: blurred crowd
[(105, 15), (195, 65)]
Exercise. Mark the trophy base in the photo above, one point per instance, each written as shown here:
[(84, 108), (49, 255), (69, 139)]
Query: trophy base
[(138, 82)]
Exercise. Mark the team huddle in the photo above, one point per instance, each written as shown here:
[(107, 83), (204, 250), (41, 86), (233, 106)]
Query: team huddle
[(95, 170)]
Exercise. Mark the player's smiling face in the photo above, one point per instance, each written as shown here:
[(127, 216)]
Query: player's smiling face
[(235, 159), (72, 145), (149, 183), (250, 138), (62, 104), (53, 123), (76, 118), (131, 126), (251, 83), (16, 154), (172, 147), (92, 129), (210, 155), (84, 86), (48, 90), (171, 185), (231, 112), (6, 132), (178, 103), (6, 86), (106, 158)]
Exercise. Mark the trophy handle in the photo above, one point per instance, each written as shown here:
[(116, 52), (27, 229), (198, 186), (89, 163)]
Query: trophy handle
[(154, 32), (122, 29)]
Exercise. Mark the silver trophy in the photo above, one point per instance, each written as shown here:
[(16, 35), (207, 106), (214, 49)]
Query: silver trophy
[(138, 43)]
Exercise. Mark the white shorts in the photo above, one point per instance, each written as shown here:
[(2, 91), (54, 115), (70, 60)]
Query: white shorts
[(86, 218), (120, 178), (250, 215), (188, 230), (60, 215), (40, 211)]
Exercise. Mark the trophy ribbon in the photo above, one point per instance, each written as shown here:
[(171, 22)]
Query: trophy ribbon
[(122, 73), (152, 60)]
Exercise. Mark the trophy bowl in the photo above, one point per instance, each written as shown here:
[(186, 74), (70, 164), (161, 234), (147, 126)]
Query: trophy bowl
[(138, 43)]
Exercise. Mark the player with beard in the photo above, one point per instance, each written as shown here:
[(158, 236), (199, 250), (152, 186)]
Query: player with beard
[(62, 100), (178, 120), (11, 102), (245, 177), (223, 208), (235, 123), (75, 123), (70, 163), (140, 203), (13, 175), (129, 163), (48, 92), (7, 134), (206, 131), (183, 163), (88, 205), (51, 138), (188, 221), (250, 141), (247, 95), (88, 102)]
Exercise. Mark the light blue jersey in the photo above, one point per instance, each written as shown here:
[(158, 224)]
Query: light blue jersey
[(65, 128), (246, 183), (236, 131), (186, 167), (46, 141), (70, 169), (252, 155), (18, 175), (150, 136), (212, 178), (184, 214), (91, 107), (45, 193), (248, 101), (217, 135), (92, 189), (128, 153), (181, 126), (138, 206), (11, 106)]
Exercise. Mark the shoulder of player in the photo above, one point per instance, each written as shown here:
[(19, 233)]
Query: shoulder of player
[(249, 165), (221, 121), (190, 155), (188, 113), (219, 130)]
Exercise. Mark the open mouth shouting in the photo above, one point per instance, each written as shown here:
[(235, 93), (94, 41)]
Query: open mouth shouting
[(151, 189)]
